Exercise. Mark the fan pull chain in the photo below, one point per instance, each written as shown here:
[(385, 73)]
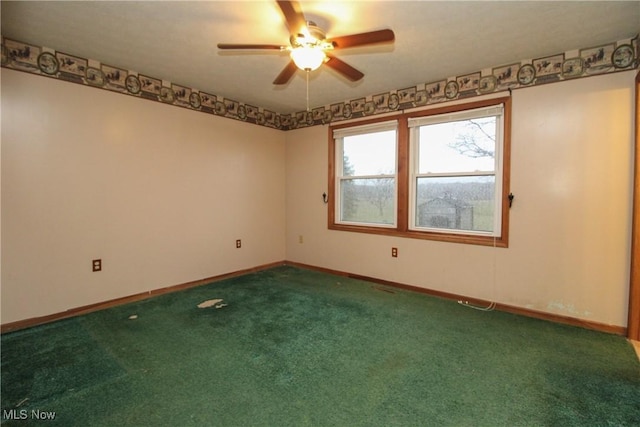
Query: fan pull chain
[(308, 90)]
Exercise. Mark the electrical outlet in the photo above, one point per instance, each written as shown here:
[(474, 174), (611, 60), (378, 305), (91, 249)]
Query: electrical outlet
[(238, 243), (394, 252), (96, 265)]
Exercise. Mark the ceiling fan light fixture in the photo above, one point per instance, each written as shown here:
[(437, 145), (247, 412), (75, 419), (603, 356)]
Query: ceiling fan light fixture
[(309, 47), (308, 58)]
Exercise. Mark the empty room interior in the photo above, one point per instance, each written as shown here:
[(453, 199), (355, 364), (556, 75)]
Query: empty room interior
[(320, 213)]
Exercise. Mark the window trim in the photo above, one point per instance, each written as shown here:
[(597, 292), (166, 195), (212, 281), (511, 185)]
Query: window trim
[(403, 176)]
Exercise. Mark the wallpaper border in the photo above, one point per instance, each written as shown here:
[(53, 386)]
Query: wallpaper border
[(611, 57)]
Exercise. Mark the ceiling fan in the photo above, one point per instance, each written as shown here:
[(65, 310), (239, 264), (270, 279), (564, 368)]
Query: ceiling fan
[(309, 48)]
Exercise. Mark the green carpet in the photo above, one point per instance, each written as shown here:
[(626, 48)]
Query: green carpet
[(295, 347)]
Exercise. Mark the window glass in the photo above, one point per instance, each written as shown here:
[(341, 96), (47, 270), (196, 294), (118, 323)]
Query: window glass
[(370, 201), (455, 185), (370, 154), (456, 203), (367, 182), (467, 145)]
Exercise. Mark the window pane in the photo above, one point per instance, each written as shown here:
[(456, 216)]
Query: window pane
[(460, 203), (370, 154), (462, 146), (368, 200)]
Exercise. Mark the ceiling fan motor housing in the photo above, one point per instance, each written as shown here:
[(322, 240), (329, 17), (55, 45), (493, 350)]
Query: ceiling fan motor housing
[(315, 31), (315, 37)]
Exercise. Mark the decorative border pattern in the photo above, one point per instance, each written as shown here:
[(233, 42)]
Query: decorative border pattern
[(50, 63), (608, 58)]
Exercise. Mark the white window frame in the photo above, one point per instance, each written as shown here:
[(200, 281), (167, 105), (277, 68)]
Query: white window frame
[(339, 135), (414, 159)]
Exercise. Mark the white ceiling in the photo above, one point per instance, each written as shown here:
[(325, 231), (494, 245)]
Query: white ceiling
[(176, 41)]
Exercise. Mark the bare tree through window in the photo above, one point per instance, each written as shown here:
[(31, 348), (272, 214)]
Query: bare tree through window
[(468, 143)]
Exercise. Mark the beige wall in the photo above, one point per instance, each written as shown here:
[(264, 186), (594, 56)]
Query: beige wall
[(159, 193), (570, 222)]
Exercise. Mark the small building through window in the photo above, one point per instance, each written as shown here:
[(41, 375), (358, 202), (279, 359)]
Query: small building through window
[(446, 212)]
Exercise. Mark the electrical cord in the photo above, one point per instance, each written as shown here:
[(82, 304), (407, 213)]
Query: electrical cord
[(490, 307), (492, 304)]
